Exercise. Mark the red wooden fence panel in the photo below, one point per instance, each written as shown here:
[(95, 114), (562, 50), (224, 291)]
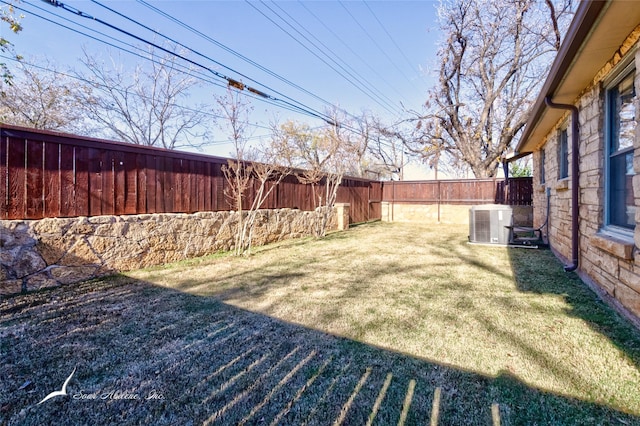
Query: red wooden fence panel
[(16, 179), (34, 174), (4, 200), (52, 180), (47, 174), (514, 191)]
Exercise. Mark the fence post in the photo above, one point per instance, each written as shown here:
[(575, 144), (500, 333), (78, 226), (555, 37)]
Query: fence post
[(384, 211), (342, 212), (393, 198), (439, 200)]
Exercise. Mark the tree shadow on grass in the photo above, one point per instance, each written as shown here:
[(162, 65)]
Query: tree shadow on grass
[(149, 355)]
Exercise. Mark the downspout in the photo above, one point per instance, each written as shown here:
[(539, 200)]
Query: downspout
[(575, 170)]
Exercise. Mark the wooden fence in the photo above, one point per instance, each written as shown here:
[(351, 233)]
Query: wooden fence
[(514, 191), (46, 174)]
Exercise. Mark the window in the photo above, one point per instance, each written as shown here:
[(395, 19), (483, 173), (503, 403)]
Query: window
[(542, 159), (563, 154), (621, 129)]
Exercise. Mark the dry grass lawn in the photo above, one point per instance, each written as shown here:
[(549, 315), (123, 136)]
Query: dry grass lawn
[(382, 324)]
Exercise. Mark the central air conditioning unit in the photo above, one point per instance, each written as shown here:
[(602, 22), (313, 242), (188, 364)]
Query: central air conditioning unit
[(488, 224)]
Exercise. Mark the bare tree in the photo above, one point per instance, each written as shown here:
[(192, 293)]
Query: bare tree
[(144, 106), (8, 16), (379, 155), (242, 175), (266, 177), (324, 156), (421, 137), (40, 97), (492, 63), (238, 171)]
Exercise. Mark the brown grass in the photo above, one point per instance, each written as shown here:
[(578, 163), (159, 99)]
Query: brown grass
[(363, 325)]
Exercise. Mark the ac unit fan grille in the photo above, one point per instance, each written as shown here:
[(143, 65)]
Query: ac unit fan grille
[(488, 224), (483, 226)]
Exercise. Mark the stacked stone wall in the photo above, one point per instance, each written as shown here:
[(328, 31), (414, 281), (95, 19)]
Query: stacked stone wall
[(609, 263), (36, 254)]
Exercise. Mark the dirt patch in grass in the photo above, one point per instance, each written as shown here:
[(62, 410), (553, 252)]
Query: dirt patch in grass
[(362, 326)]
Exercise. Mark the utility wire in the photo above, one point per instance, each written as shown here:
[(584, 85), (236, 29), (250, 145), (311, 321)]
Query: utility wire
[(348, 47), (389, 35), (75, 77), (340, 62), (259, 94), (297, 40), (374, 41), (233, 52), (192, 72), (189, 72), (121, 91), (294, 109), (185, 70), (178, 44), (232, 83), (196, 52)]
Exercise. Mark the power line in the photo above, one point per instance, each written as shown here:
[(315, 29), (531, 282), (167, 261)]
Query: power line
[(389, 35), (257, 65), (185, 70), (348, 47), (122, 91), (359, 79), (232, 51), (232, 83), (235, 84), (75, 77), (374, 41), (177, 43), (188, 71), (311, 51), (371, 87)]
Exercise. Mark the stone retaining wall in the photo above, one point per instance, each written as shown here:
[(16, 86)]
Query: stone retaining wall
[(36, 254), (445, 213)]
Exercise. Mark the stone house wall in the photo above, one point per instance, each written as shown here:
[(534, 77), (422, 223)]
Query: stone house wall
[(36, 254), (610, 265)]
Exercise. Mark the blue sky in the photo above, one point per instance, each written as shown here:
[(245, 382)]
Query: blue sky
[(388, 47)]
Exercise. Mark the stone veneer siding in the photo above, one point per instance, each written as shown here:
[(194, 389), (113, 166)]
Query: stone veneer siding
[(36, 254), (609, 265)]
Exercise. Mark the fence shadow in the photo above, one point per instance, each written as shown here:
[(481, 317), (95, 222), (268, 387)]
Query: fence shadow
[(145, 354)]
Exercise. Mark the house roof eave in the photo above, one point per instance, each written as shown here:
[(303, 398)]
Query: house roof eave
[(597, 31)]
